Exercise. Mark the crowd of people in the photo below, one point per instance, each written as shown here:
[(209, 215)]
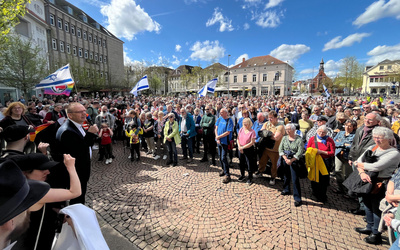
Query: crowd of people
[(286, 138)]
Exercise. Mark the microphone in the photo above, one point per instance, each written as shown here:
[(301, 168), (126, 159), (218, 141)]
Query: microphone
[(89, 120)]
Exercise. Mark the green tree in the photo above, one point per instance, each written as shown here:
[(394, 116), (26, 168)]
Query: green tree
[(350, 74), (10, 10), (154, 83), (24, 65)]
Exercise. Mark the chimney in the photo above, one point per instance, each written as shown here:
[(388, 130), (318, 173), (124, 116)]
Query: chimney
[(244, 59)]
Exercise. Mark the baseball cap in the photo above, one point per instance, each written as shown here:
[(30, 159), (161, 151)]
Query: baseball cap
[(33, 161), (15, 132)]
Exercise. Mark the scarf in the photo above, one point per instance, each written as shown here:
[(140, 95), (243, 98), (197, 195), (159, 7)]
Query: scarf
[(366, 131), (323, 139)]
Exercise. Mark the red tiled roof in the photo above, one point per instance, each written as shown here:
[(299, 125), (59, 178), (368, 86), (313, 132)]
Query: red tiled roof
[(257, 61)]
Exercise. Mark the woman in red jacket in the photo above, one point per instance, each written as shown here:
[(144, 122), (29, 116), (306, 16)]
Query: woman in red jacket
[(326, 149)]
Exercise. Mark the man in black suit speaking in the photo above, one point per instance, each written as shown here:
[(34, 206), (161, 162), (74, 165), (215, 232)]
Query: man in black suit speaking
[(74, 140)]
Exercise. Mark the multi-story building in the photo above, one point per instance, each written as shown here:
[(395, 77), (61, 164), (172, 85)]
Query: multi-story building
[(262, 75), (76, 38), (32, 26), (179, 79), (382, 78)]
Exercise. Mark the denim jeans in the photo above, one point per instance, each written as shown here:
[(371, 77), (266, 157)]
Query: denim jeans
[(372, 212), (223, 157), (187, 144), (290, 174), (395, 245), (172, 151)]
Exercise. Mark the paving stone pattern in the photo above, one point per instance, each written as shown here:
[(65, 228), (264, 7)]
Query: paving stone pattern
[(188, 207)]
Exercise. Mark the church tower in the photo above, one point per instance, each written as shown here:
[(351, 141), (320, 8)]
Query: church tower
[(321, 65)]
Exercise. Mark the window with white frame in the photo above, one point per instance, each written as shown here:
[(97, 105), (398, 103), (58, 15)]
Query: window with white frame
[(381, 67), (61, 46), (99, 41), (74, 50), (95, 39), (59, 22), (105, 59), (389, 67), (90, 37), (96, 57), (104, 44), (78, 32), (84, 35), (91, 56), (86, 54), (54, 43), (80, 52), (66, 26), (68, 49), (234, 78), (244, 78), (254, 78), (101, 58), (265, 77), (73, 29), (52, 23)]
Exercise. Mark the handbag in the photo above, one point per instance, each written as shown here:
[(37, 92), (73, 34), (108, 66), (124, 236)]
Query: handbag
[(300, 168), (355, 185), (231, 144)]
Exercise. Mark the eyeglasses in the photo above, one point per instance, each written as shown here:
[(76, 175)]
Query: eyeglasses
[(78, 112), (378, 138)]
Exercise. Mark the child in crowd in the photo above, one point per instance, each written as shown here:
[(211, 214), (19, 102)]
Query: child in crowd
[(105, 134), (133, 133)]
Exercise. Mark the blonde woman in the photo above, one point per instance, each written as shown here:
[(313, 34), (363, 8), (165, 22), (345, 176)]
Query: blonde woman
[(245, 141)]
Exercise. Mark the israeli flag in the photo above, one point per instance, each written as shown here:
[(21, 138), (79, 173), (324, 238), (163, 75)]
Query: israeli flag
[(61, 77), (141, 85), (326, 92), (211, 85)]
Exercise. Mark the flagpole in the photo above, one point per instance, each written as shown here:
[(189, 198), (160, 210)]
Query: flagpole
[(72, 75)]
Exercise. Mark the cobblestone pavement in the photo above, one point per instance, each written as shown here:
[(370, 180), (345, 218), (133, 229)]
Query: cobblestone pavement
[(163, 207)]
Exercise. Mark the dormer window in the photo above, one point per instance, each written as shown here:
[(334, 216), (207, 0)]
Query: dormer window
[(84, 18), (70, 11)]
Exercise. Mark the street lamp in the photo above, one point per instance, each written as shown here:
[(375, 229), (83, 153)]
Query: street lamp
[(229, 72)]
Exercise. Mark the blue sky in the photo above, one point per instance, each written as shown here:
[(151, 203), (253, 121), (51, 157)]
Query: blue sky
[(200, 32)]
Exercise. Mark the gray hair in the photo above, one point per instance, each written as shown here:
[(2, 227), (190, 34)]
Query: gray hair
[(323, 128), (387, 133), (291, 126), (385, 123)]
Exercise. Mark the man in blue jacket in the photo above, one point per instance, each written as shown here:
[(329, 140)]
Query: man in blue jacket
[(223, 135), (187, 130)]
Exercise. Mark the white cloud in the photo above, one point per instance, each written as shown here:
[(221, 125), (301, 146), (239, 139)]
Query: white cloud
[(225, 24), (240, 58), (127, 59), (331, 69), (337, 42), (290, 53), (178, 48), (383, 52), (246, 26), (207, 51), (377, 10), (176, 60), (126, 19), (268, 19), (273, 3)]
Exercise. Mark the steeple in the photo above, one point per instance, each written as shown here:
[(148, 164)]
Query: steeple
[(321, 65)]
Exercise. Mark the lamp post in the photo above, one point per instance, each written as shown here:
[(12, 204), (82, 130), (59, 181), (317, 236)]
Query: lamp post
[(229, 72)]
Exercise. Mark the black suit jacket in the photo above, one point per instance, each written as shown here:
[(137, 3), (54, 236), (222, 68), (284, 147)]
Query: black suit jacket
[(69, 140)]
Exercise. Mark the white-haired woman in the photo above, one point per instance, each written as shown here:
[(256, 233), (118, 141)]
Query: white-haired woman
[(245, 141), (291, 149), (388, 159), (326, 149)]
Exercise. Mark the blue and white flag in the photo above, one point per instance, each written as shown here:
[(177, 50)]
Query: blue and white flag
[(141, 85), (326, 92), (61, 77), (209, 87), (203, 91)]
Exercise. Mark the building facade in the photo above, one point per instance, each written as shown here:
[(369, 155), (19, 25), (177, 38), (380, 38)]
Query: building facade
[(382, 78), (263, 75), (74, 37)]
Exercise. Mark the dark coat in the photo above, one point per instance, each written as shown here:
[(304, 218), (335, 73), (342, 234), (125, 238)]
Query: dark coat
[(357, 148), (8, 121), (70, 141)]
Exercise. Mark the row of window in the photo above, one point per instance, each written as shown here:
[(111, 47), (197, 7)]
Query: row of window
[(382, 67), (264, 78), (78, 51), (77, 31), (381, 79)]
